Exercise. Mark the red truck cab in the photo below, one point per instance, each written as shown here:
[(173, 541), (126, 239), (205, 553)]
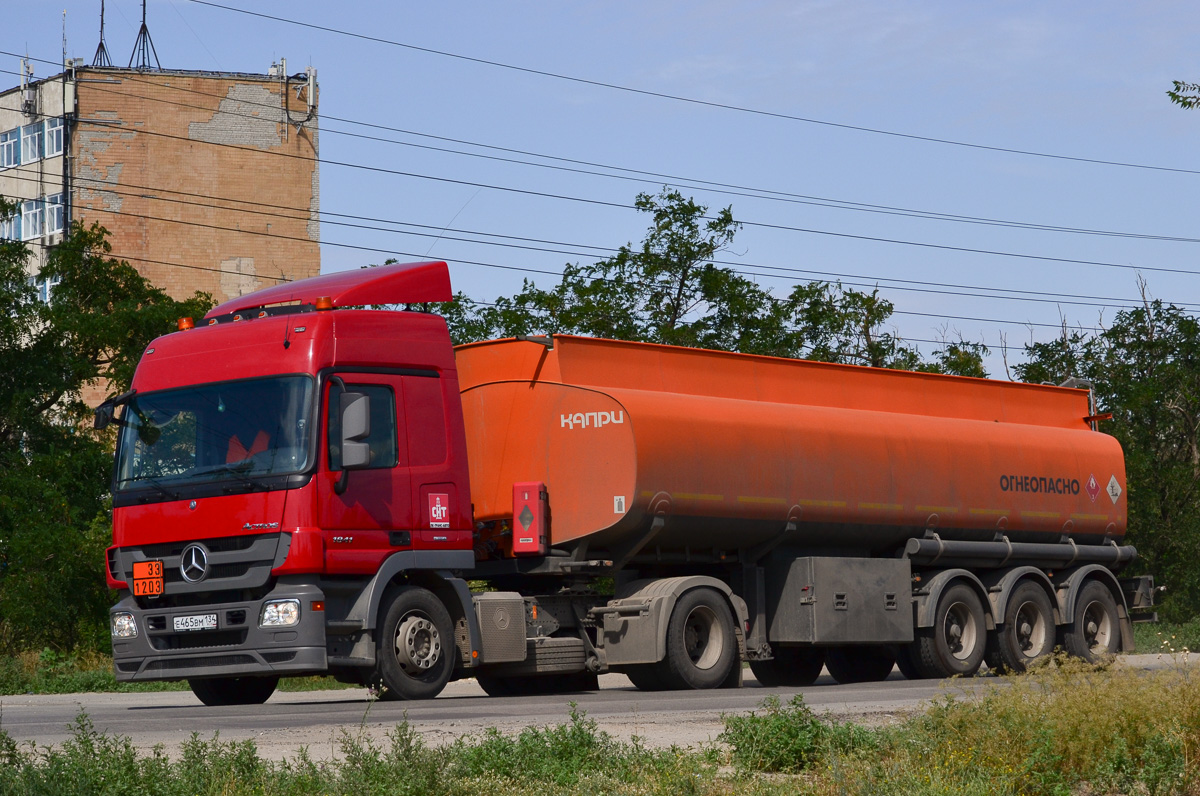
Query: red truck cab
[(232, 510)]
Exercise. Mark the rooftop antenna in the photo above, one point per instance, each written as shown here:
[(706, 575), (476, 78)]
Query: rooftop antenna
[(101, 58), (143, 48)]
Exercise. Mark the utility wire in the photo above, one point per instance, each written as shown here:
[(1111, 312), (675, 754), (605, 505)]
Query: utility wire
[(643, 176), (1057, 298), (691, 100), (116, 256), (623, 206), (525, 269), (305, 215)]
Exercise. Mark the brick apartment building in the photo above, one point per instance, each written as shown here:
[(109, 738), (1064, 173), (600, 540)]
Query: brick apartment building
[(206, 180)]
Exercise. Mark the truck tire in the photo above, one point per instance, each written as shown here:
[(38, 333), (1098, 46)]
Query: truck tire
[(1028, 632), (867, 664), (645, 677), (415, 646), (904, 661), (954, 646), (496, 685), (791, 666), (701, 645), (1095, 632), (218, 691)]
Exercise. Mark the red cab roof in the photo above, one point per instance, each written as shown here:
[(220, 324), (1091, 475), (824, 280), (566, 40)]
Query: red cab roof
[(386, 284)]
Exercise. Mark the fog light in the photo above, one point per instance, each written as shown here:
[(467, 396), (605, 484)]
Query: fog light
[(123, 625), (279, 613)]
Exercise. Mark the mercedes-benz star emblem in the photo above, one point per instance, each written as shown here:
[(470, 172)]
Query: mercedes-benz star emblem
[(192, 505), (193, 564)]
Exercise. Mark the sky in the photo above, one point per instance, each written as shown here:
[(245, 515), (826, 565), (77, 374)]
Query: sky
[(841, 120)]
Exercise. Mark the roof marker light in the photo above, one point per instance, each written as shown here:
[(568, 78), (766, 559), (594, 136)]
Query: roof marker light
[(212, 321), (184, 324), (324, 303)]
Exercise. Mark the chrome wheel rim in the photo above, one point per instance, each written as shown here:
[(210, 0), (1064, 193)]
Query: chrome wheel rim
[(418, 644)]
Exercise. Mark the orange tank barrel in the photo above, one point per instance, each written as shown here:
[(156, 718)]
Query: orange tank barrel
[(735, 450)]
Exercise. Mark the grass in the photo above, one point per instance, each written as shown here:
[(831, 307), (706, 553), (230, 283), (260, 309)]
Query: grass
[(51, 672), (1065, 728), (1167, 638), (573, 757)]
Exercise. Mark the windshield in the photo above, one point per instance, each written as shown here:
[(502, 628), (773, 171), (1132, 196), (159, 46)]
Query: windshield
[(215, 432)]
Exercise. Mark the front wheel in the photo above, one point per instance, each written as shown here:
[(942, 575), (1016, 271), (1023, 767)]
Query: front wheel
[(956, 642), (701, 645), (220, 691), (415, 646), (1095, 633)]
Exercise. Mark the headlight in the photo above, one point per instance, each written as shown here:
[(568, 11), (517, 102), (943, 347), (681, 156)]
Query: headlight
[(123, 625), (279, 613)]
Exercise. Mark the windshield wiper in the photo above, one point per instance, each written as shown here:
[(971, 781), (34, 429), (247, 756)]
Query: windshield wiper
[(162, 490), (232, 468)]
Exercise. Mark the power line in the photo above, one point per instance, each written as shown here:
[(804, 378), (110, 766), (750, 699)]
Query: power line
[(692, 100), (114, 256), (525, 269), (675, 181), (764, 225), (1055, 298)]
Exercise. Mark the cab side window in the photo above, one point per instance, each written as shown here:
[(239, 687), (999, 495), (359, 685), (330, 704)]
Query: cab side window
[(382, 439)]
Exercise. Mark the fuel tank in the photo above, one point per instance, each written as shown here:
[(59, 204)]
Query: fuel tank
[(734, 451)]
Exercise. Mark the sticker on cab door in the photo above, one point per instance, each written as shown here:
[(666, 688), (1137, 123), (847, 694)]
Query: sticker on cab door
[(439, 510)]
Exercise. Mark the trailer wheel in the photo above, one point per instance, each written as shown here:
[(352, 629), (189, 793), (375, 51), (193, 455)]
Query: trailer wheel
[(497, 685), (1027, 633), (868, 664), (701, 646), (219, 691), (415, 646), (956, 642), (1095, 632), (791, 666)]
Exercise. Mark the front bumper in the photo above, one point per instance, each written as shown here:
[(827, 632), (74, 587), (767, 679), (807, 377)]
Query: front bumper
[(237, 648)]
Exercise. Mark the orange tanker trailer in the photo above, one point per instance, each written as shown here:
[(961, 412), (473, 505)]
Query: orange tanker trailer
[(732, 447), (821, 494)]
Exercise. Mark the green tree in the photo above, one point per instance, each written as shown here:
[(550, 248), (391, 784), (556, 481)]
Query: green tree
[(54, 469), (1146, 370), (668, 289), (1185, 95)]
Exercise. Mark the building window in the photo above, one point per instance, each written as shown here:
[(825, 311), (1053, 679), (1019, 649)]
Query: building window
[(45, 288), (10, 228), (31, 142), (31, 219), (54, 137), (10, 148), (54, 213)]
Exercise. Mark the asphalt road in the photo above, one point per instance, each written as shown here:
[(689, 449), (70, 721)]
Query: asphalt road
[(318, 719)]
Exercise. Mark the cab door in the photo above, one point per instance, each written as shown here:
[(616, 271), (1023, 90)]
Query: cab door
[(373, 515)]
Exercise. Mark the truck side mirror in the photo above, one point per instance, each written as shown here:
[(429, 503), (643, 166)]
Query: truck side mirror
[(355, 410), (103, 416)]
